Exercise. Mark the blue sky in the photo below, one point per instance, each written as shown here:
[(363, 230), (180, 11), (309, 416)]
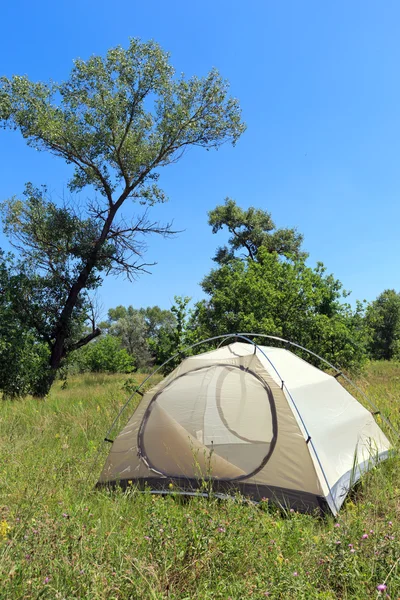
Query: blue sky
[(319, 87)]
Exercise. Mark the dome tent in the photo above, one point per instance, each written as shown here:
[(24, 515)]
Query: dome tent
[(248, 418)]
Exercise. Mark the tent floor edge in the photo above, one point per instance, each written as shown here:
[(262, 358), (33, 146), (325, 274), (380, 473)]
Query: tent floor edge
[(283, 498)]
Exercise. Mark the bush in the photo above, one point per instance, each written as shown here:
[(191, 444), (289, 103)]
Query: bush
[(102, 355)]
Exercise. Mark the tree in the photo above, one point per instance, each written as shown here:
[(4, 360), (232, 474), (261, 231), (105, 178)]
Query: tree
[(131, 330), (115, 120), (265, 293), (251, 230), (383, 321), (140, 331)]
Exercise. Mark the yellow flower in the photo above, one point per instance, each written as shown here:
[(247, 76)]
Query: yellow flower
[(4, 528)]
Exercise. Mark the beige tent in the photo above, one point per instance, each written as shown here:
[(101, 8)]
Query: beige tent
[(256, 419)]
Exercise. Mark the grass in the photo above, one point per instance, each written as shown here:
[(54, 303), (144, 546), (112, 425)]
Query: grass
[(61, 539)]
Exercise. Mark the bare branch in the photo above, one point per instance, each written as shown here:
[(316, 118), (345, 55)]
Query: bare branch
[(88, 338)]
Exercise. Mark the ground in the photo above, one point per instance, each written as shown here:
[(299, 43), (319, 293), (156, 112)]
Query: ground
[(60, 538)]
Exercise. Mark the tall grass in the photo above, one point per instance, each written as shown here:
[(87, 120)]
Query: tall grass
[(59, 538)]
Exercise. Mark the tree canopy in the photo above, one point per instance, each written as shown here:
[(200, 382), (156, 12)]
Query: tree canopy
[(251, 230), (383, 321), (116, 120), (272, 290)]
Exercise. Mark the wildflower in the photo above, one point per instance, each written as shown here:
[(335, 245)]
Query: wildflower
[(337, 525), (221, 529), (65, 515), (352, 550), (371, 531), (171, 485), (146, 537), (338, 542), (390, 523), (46, 580), (292, 510), (381, 587), (130, 481), (295, 574), (4, 528), (350, 545), (365, 536)]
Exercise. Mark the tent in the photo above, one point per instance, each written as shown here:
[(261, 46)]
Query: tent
[(248, 418)]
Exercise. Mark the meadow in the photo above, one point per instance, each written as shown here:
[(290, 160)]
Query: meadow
[(62, 539)]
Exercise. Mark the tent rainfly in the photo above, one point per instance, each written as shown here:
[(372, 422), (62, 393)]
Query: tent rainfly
[(248, 418)]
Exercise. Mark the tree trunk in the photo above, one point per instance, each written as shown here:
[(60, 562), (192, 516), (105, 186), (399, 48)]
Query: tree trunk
[(44, 384)]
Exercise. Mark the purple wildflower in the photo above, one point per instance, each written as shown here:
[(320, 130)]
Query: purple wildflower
[(352, 550), (295, 574), (221, 529), (381, 587), (337, 525), (365, 536), (350, 545), (46, 580)]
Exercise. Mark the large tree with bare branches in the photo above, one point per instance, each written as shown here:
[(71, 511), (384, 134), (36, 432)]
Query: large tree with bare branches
[(117, 120)]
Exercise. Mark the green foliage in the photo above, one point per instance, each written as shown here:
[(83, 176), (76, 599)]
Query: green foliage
[(142, 332), (53, 246), (22, 357), (118, 117), (282, 298), (117, 120), (251, 230), (60, 539), (383, 321), (131, 331), (173, 339), (103, 355)]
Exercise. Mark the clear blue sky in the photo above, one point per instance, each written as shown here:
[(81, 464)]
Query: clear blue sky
[(319, 85)]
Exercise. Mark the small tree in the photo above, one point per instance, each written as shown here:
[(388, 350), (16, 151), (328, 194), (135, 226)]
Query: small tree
[(115, 120), (173, 339)]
